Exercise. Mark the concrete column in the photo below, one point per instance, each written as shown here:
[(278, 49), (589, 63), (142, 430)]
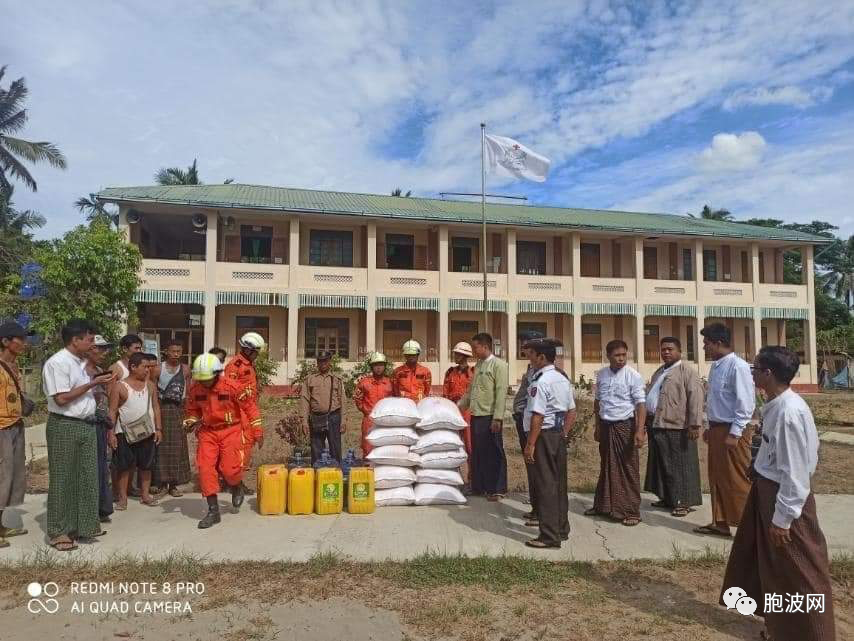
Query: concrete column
[(372, 255), (809, 334), (575, 255), (638, 248), (370, 324), (511, 252), (293, 249), (293, 335), (511, 343), (576, 343), (699, 323), (371, 309), (444, 347), (757, 331), (640, 359), (443, 260), (754, 269), (781, 332), (698, 267), (210, 281)]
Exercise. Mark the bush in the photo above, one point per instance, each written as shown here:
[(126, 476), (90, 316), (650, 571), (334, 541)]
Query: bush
[(307, 368), (265, 369)]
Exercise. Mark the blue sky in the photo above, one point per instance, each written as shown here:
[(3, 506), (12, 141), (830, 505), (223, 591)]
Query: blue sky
[(641, 106)]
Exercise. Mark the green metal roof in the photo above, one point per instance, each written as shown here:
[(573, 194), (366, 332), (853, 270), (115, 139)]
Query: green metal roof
[(434, 210)]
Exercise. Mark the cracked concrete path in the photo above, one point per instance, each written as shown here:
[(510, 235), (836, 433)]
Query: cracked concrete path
[(396, 532)]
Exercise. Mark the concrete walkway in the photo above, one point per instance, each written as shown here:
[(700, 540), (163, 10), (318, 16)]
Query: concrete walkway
[(395, 532), (837, 437)]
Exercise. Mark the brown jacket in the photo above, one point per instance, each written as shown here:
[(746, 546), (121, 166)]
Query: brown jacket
[(681, 402)]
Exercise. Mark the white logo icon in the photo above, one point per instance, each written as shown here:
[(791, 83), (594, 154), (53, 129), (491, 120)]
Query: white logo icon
[(48, 605), (732, 595), (745, 605)]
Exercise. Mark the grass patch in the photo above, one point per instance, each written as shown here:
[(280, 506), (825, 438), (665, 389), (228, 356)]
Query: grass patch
[(495, 573)]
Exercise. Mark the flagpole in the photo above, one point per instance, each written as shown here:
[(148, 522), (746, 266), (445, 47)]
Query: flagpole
[(483, 220)]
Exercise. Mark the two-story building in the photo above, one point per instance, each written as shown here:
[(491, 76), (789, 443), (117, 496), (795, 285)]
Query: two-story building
[(317, 270)]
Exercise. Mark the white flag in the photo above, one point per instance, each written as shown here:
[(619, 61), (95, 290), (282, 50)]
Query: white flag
[(506, 157)]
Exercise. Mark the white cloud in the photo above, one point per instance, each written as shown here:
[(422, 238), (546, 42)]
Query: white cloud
[(733, 152), (789, 95)]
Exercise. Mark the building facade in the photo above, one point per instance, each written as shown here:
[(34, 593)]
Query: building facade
[(350, 273)]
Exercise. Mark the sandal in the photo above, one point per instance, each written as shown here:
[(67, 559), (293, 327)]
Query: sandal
[(7, 532), (175, 492), (630, 521), (541, 545), (121, 506), (152, 502), (494, 498), (680, 512), (709, 529), (64, 546), (592, 511)]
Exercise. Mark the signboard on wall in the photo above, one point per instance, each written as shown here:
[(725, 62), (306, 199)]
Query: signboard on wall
[(150, 344)]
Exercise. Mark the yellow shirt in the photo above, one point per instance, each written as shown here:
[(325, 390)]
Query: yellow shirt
[(10, 401)]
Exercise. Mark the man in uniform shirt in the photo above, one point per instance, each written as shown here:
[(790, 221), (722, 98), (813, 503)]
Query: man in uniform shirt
[(549, 416), (779, 547), (217, 409), (412, 380), (321, 398), (620, 415), (730, 402), (456, 383), (370, 390), (486, 398), (241, 370), (674, 417)]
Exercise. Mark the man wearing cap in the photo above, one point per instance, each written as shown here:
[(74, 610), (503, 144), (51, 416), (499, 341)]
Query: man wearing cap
[(13, 464), (370, 390), (94, 361), (412, 380), (217, 408), (241, 370), (321, 399), (456, 384)]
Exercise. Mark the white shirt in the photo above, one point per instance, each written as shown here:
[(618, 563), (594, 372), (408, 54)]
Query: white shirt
[(138, 403), (654, 392), (549, 392), (618, 393), (732, 395), (62, 373), (788, 453)]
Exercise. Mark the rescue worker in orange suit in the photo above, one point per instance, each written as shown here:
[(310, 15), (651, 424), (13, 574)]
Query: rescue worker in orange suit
[(217, 408), (370, 390), (241, 370), (412, 380), (457, 381)]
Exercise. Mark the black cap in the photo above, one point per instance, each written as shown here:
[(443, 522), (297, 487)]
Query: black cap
[(324, 356), (11, 329)]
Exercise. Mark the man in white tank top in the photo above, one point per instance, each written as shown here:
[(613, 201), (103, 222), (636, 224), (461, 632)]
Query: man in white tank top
[(128, 345), (130, 400)]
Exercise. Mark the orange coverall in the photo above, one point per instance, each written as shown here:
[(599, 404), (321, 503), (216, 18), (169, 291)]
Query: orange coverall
[(454, 387), (223, 410), (412, 382), (369, 391), (241, 370)]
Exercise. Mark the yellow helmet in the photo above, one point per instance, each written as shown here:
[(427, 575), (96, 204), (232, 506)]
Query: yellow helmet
[(206, 367), (377, 357), (411, 347), (252, 340)]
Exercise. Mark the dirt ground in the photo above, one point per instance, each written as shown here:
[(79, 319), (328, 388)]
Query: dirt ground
[(834, 475), (465, 599)]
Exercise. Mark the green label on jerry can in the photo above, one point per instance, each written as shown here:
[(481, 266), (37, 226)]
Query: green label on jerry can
[(331, 491), (360, 491)]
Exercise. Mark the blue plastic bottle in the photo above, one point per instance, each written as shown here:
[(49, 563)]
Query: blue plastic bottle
[(349, 461)]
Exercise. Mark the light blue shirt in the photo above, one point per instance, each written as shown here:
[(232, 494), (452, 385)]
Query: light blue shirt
[(732, 395), (549, 393), (618, 393)]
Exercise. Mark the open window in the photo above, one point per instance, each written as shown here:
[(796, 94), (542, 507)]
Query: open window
[(329, 248), (530, 257), (256, 244), (400, 251), (464, 254)]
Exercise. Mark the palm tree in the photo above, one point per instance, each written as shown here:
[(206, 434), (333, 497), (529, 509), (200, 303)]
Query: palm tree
[(13, 150), (716, 214), (399, 192), (838, 280), (95, 210), (177, 176), (15, 221)]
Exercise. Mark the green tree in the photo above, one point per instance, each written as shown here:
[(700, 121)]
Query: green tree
[(178, 176), (16, 248), (399, 192), (92, 273), (838, 278), (95, 210), (14, 150), (716, 214)]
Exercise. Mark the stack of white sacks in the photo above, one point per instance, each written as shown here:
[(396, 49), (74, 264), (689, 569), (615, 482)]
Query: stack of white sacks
[(417, 467)]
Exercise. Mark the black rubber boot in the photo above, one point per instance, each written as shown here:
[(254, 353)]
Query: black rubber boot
[(237, 494), (248, 491), (212, 517)]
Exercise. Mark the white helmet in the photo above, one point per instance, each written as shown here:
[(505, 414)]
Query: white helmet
[(411, 347), (463, 348), (206, 367), (252, 340), (377, 357)]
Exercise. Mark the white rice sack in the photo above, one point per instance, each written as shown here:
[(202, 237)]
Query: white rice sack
[(394, 455), (441, 477), (395, 496), (439, 413), (387, 477), (395, 412), (436, 494), (379, 436), (438, 441), (443, 460)]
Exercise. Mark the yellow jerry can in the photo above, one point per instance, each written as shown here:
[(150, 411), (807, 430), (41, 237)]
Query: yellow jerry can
[(329, 494), (272, 489), (301, 491), (360, 491)]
